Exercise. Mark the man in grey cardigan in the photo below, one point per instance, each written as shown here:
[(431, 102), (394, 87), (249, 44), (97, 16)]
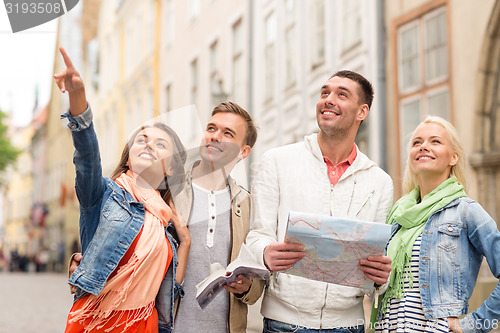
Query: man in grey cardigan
[(217, 211)]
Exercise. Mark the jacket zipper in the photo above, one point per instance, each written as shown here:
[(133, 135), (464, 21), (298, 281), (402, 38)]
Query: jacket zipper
[(323, 308)]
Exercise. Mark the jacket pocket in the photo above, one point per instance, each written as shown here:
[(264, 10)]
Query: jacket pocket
[(116, 209), (448, 235), (363, 207), (449, 270)]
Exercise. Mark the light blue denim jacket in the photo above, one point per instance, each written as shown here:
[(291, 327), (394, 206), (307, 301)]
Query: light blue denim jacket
[(110, 219), (454, 241)]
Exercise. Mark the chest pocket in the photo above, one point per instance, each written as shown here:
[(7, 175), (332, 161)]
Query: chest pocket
[(116, 209), (448, 235), (361, 205)]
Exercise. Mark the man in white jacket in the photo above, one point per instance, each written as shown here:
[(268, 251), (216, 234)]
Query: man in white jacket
[(325, 174)]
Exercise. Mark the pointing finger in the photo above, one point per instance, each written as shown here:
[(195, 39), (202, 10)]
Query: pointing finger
[(67, 60)]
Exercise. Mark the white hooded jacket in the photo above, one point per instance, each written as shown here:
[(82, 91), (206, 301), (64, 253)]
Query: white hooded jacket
[(295, 177)]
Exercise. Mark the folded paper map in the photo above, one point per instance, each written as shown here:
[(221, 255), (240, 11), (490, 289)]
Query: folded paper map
[(334, 246), (219, 276)]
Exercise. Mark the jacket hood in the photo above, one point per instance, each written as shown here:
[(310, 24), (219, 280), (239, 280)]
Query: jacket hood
[(361, 162)]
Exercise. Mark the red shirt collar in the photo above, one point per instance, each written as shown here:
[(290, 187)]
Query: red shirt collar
[(350, 159)]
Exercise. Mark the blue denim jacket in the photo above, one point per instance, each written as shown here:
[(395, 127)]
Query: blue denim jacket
[(454, 241), (110, 219)]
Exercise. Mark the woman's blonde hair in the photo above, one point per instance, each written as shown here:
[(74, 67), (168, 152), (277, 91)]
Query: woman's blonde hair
[(457, 170)]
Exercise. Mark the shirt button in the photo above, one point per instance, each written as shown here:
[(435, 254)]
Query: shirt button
[(213, 204), (72, 125), (213, 217), (332, 173), (211, 230)]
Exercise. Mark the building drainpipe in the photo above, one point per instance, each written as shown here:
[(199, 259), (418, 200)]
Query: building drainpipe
[(381, 82), (250, 82)]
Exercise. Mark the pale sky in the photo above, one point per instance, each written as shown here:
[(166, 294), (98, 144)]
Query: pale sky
[(26, 60)]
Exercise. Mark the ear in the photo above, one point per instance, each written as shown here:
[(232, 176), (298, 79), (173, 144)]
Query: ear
[(454, 159), (170, 171), (244, 152), (363, 112)]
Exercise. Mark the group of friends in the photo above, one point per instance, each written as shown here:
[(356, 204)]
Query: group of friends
[(150, 232)]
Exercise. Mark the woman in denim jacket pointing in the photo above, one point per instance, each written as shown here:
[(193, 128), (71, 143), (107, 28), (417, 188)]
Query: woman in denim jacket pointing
[(125, 221), (440, 237)]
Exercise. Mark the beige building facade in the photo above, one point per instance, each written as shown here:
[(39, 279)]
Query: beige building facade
[(17, 205)]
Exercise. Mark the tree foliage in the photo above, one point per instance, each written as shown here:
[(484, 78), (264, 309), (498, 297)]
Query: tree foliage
[(8, 153)]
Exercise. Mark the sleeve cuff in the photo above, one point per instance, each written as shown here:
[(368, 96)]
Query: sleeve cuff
[(178, 290), (468, 325), (80, 122)]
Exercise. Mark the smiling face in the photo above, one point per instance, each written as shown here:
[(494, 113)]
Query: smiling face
[(431, 152), (150, 154), (339, 109), (224, 139)]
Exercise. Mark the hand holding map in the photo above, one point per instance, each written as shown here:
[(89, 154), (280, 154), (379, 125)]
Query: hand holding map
[(334, 246)]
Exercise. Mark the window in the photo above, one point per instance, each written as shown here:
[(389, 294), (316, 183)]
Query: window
[(216, 83), (194, 81), (318, 33), (423, 71), (129, 46), (238, 63), (149, 112), (351, 23), (194, 8), (169, 23), (436, 47), (290, 43), (138, 44), (438, 103), (270, 54), (93, 60), (137, 120), (410, 117), (151, 11), (214, 60), (409, 57), (194, 95), (130, 121), (168, 98)]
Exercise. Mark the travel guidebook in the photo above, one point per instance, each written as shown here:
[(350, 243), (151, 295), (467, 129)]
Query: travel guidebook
[(334, 246), (219, 276)]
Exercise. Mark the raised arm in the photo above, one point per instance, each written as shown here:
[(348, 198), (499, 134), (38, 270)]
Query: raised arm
[(89, 182), (69, 80)]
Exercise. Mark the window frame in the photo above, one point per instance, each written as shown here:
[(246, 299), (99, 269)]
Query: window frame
[(425, 88)]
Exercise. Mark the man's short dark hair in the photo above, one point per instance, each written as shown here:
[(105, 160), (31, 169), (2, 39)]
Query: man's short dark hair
[(251, 132), (366, 95)]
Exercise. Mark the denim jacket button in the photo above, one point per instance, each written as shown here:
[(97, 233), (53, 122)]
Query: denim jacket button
[(450, 228)]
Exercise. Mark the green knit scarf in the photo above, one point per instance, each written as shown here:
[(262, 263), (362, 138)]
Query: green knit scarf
[(412, 216)]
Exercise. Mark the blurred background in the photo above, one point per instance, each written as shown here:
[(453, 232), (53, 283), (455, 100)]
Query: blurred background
[(144, 59)]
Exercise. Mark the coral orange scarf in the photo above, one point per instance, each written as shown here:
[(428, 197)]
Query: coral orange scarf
[(136, 283)]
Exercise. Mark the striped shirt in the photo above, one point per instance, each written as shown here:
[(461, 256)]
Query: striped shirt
[(407, 314)]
